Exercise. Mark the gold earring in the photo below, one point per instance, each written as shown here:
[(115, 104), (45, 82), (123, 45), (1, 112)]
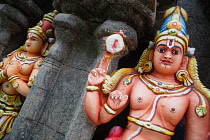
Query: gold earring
[(145, 66), (44, 53), (183, 76)]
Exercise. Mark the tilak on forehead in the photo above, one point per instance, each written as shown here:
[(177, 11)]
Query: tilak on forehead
[(30, 34), (174, 28)]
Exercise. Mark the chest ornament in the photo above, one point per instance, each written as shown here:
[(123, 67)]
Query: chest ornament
[(160, 84), (160, 88), (24, 60)]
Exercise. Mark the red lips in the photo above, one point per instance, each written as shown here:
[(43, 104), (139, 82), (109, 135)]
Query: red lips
[(166, 62)]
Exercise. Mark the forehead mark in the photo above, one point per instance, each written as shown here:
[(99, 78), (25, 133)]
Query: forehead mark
[(171, 46), (170, 43), (30, 34)]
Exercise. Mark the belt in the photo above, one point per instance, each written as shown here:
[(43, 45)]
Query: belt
[(151, 126)]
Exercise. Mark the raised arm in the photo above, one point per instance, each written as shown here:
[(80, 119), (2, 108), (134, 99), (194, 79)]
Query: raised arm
[(94, 103)]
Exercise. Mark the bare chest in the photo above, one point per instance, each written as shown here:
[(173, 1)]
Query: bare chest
[(145, 104)]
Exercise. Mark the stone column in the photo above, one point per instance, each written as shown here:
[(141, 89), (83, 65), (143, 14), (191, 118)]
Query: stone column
[(12, 21)]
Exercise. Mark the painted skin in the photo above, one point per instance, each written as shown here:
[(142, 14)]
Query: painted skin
[(170, 109), (34, 46)]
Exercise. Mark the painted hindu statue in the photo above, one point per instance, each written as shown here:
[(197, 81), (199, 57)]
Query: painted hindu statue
[(162, 89), (19, 69)]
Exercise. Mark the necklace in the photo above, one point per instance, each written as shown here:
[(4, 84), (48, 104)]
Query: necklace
[(24, 60), (158, 90), (160, 84)]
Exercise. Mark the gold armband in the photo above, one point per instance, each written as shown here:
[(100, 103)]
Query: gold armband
[(14, 77), (2, 76), (92, 88), (11, 80), (109, 110)]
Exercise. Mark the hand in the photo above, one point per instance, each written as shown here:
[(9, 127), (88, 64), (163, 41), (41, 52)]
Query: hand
[(96, 76), (13, 68), (117, 99)]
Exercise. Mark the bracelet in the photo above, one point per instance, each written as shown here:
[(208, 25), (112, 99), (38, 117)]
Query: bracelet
[(31, 81), (109, 110), (2, 76), (14, 84), (92, 88), (12, 78)]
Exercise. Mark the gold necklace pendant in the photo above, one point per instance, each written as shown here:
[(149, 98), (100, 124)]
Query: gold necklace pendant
[(19, 57), (160, 84), (24, 60), (158, 90)]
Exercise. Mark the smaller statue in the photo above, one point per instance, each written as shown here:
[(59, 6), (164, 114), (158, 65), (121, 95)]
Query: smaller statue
[(19, 69), (162, 89)]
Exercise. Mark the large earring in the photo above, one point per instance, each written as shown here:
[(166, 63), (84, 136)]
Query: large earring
[(144, 65), (183, 76), (44, 53)]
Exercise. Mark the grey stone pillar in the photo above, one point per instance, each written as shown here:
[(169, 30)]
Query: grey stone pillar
[(12, 21)]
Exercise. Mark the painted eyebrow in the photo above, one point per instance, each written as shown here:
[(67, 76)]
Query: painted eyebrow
[(166, 46), (34, 37), (178, 47), (161, 45)]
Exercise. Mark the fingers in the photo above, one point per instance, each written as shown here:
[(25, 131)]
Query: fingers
[(117, 99), (96, 76), (98, 72), (118, 95)]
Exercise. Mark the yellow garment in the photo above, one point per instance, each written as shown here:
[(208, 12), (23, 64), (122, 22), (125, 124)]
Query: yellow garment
[(9, 108)]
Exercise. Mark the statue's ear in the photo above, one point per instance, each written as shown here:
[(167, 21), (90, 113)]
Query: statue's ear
[(184, 63), (151, 55), (44, 49)]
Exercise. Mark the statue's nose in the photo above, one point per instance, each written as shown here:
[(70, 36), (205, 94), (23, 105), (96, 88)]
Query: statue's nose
[(167, 56)]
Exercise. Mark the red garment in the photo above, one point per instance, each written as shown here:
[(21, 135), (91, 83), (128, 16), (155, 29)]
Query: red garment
[(115, 133)]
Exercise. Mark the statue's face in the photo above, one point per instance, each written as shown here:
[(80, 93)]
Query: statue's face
[(167, 57), (34, 43)]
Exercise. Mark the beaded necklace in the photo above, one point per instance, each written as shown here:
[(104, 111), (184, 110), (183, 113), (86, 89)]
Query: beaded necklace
[(24, 60), (158, 90), (160, 84)]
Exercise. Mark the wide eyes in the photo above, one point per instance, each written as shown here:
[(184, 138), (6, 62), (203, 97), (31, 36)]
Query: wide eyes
[(32, 38), (173, 51), (162, 50)]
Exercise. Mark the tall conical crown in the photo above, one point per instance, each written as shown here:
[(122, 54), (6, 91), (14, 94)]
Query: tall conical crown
[(44, 28), (174, 27)]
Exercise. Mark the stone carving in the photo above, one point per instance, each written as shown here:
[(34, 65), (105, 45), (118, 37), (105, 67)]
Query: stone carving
[(162, 89), (19, 69)]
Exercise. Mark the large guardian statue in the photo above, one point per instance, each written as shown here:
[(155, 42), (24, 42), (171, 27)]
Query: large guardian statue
[(162, 89)]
